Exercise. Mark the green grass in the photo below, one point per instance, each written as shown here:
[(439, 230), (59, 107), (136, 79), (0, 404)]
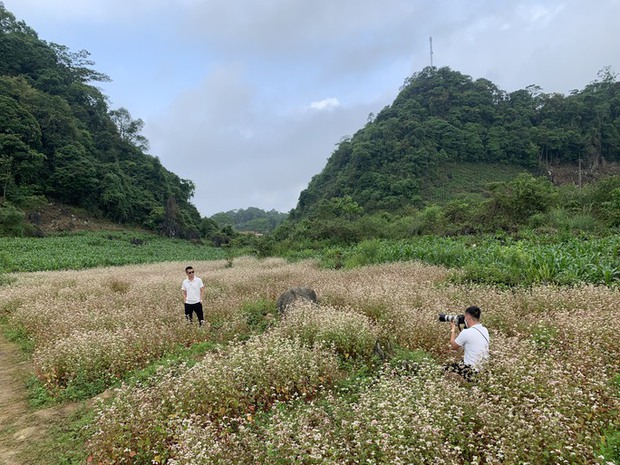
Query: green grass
[(101, 248), (17, 335), (64, 444), (456, 179), (179, 355)]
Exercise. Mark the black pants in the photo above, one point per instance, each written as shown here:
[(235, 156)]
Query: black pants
[(466, 371), (191, 308)]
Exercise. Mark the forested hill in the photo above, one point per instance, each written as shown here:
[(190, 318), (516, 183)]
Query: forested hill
[(444, 125), (250, 220), (60, 141)]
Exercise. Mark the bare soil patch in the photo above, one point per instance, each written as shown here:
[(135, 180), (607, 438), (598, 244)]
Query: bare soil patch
[(58, 218), (21, 428), (571, 174)]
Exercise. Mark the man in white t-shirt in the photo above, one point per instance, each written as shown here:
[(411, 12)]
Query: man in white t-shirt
[(474, 340), (193, 293)]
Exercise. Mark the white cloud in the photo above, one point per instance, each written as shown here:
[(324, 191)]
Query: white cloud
[(540, 15), (325, 104)]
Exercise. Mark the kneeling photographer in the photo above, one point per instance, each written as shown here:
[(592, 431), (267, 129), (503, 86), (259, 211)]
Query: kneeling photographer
[(474, 340)]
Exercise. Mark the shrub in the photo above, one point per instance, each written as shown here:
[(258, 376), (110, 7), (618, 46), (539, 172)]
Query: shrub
[(365, 253), (13, 221), (260, 314)]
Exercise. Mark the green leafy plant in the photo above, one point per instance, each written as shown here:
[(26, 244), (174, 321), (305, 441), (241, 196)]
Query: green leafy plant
[(260, 314)]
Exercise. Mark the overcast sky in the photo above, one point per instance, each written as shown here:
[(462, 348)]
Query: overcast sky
[(249, 98)]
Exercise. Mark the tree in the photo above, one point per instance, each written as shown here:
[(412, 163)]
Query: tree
[(339, 207), (75, 177), (15, 119), (6, 173), (22, 164), (171, 226), (518, 200), (129, 129), (208, 228), (58, 137), (77, 64), (115, 196)]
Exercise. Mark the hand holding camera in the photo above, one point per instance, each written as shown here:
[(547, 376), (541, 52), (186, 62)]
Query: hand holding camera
[(457, 320)]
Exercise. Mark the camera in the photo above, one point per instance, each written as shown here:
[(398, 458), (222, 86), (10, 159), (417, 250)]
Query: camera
[(459, 320)]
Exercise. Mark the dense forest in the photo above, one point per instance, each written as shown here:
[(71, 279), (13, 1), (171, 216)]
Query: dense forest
[(60, 141), (442, 119)]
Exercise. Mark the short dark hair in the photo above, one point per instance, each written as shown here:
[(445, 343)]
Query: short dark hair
[(187, 268), (473, 311)]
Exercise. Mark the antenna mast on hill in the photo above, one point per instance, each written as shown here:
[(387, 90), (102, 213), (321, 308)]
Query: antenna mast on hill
[(430, 39)]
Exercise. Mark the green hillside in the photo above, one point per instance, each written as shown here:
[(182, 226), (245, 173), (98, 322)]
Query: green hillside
[(60, 142), (447, 134)]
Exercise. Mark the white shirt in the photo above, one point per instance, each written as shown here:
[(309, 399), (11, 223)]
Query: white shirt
[(192, 290), (475, 343)]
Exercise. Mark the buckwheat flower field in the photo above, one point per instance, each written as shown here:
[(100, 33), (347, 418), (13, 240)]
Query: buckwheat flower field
[(308, 386)]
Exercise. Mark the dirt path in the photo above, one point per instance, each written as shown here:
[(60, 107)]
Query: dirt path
[(20, 427), (14, 425)]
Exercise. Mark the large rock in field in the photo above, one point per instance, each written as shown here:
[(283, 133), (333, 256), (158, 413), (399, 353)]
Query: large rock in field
[(293, 294)]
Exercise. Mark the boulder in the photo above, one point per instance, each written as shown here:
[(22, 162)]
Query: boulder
[(293, 294)]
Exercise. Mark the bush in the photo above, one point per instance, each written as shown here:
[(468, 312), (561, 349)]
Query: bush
[(365, 253), (559, 219), (259, 314), (431, 220), (13, 221)]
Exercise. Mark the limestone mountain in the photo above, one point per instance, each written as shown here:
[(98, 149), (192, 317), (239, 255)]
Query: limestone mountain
[(447, 134)]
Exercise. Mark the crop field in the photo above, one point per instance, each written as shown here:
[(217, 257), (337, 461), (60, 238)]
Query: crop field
[(498, 261), (309, 387), (91, 249)]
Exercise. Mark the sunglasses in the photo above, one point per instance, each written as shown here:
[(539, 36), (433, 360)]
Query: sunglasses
[(190, 272)]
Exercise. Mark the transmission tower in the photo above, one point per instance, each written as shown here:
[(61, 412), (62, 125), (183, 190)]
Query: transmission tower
[(430, 39)]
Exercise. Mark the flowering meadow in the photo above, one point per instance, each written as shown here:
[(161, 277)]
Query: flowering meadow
[(308, 387)]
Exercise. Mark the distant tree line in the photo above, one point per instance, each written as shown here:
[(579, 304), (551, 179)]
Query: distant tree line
[(453, 156), (251, 219)]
